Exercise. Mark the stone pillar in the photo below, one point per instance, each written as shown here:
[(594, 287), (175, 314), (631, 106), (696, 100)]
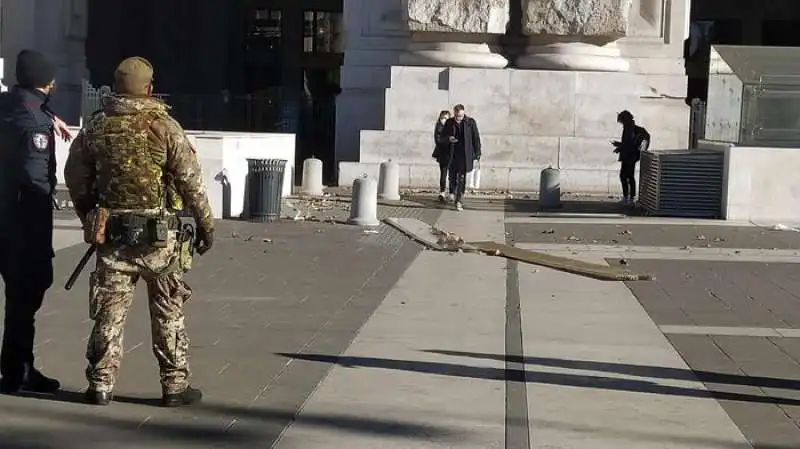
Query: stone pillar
[(455, 33), (574, 34)]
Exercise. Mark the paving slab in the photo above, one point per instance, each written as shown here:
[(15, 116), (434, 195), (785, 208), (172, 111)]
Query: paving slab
[(595, 365), (264, 290), (667, 252), (398, 369), (656, 234)]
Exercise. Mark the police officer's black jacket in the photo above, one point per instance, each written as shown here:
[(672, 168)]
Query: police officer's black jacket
[(27, 152)]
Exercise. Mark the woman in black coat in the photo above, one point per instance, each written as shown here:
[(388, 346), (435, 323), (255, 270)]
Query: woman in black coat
[(442, 154)]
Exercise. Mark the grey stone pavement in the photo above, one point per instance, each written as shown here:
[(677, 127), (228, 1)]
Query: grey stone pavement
[(311, 335)]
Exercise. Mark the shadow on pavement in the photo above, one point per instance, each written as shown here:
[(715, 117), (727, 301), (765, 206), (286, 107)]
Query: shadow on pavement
[(570, 380), (253, 425), (656, 372)]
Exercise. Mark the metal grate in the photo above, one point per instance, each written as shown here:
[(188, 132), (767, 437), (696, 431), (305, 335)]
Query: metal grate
[(680, 183)]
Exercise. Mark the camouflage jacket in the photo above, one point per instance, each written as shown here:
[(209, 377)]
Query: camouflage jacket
[(132, 155)]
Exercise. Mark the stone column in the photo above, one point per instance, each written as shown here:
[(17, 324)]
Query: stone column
[(455, 33), (3, 83), (576, 35)]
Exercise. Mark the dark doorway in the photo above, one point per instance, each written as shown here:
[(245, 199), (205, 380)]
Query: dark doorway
[(697, 51), (295, 46), (249, 65)]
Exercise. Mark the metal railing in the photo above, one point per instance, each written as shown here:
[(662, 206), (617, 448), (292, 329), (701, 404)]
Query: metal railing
[(261, 112), (697, 122)]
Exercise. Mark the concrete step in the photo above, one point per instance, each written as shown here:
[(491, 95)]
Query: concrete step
[(493, 177)]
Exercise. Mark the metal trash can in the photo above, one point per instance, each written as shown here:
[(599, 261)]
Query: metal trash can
[(265, 188), (550, 188)]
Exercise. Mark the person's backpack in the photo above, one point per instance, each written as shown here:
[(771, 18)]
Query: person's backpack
[(641, 140)]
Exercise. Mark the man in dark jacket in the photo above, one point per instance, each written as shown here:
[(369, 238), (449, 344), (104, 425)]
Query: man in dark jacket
[(28, 164), (462, 132), (635, 139)]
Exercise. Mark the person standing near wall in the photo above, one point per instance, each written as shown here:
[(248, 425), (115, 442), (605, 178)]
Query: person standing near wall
[(131, 169), (27, 184), (462, 133), (442, 154), (634, 140)]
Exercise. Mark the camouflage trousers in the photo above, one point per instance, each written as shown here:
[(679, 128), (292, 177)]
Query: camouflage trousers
[(112, 287)]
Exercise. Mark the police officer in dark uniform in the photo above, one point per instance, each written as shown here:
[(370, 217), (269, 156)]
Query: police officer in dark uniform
[(27, 185)]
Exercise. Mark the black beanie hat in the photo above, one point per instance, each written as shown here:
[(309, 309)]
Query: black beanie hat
[(34, 70)]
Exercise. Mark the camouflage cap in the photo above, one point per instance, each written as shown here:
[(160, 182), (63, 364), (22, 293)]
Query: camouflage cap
[(133, 75)]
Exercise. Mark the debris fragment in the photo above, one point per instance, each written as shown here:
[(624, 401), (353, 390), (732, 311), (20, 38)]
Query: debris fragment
[(625, 232), (549, 231), (371, 231), (267, 240), (719, 239), (573, 238)]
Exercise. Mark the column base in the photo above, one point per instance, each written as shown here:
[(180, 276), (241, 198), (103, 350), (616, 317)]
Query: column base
[(576, 56), (3, 87), (452, 54)]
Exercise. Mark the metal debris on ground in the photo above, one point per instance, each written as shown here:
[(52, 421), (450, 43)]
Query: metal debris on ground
[(566, 264), (442, 240)]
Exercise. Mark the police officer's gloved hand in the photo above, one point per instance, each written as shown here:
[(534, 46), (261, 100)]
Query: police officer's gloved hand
[(205, 240)]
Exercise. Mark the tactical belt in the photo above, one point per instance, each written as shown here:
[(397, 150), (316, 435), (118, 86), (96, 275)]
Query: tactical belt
[(134, 229)]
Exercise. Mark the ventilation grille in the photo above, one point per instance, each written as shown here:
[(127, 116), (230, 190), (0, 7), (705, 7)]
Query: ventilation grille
[(680, 183)]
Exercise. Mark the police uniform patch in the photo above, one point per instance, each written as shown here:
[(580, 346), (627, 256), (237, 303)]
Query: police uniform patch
[(40, 141)]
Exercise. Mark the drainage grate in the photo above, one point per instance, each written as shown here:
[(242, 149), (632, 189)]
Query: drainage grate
[(681, 183)]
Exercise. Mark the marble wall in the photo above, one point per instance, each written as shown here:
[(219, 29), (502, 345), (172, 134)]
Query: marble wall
[(529, 118)]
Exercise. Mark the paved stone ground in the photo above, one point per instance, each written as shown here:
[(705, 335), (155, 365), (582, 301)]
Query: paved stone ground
[(316, 335), (714, 314), (747, 296), (656, 235), (264, 290)]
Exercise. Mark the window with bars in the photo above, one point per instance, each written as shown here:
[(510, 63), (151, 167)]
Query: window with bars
[(264, 30), (322, 32)]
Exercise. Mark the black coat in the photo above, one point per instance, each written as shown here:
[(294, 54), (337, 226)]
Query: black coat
[(468, 148), (27, 170), (441, 151), (630, 146)]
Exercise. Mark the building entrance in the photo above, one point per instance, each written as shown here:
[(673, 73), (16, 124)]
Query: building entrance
[(250, 65)]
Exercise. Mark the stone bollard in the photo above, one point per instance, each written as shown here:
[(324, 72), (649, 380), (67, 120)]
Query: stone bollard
[(550, 188), (389, 181), (312, 177), (364, 203)]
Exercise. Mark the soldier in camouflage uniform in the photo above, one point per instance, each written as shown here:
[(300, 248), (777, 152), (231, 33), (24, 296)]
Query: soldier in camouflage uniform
[(134, 161)]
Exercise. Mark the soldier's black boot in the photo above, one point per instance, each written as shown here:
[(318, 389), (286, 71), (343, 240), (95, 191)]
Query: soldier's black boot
[(98, 397), (189, 396)]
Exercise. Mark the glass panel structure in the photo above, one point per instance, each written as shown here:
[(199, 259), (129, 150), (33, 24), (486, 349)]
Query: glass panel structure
[(754, 96)]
